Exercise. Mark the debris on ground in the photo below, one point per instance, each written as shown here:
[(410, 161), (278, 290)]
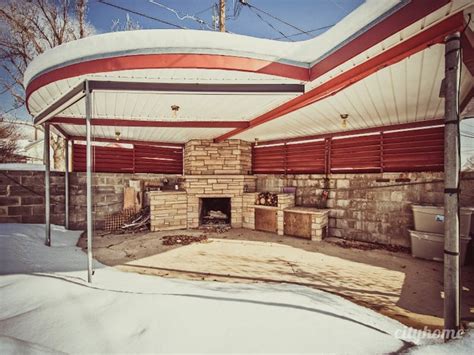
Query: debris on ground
[(215, 227), (183, 239), (114, 221), (347, 244), (139, 222)]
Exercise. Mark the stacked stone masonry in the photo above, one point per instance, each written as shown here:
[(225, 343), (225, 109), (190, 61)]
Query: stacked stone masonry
[(230, 157), (168, 210), (232, 186), (248, 210), (284, 201)]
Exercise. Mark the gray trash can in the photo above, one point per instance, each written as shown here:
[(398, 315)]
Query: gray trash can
[(430, 246), (431, 219)]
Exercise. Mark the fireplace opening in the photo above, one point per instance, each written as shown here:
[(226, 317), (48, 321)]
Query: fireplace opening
[(215, 210)]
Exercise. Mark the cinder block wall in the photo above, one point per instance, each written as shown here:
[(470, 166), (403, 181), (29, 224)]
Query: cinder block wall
[(22, 197), (107, 191), (230, 157), (368, 207)]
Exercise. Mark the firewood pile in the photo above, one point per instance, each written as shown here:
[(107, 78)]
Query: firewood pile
[(216, 215), (267, 199), (138, 223), (183, 239)]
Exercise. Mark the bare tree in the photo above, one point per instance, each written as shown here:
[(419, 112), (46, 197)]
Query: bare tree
[(27, 29), (129, 25), (9, 136)]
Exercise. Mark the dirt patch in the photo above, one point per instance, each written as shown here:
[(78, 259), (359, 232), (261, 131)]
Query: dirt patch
[(367, 246), (392, 283)]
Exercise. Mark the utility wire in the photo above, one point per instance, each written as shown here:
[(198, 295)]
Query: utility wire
[(202, 11), (310, 31), (276, 18), (141, 14), (269, 24), (181, 16)]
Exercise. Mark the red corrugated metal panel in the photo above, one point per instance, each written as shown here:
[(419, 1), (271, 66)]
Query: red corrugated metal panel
[(269, 159), (307, 157), (104, 159), (355, 154), (392, 151), (150, 159), (139, 159), (417, 150)]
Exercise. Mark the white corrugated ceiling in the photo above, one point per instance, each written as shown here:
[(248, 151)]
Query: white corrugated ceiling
[(407, 91)]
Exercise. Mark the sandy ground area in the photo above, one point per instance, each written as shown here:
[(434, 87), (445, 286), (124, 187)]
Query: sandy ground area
[(394, 284)]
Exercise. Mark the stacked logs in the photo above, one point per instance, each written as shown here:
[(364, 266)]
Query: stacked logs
[(267, 199)]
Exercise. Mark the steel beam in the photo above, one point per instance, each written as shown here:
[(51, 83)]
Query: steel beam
[(66, 184), (47, 185), (130, 141), (195, 88), (88, 103), (68, 99), (451, 185), (115, 122)]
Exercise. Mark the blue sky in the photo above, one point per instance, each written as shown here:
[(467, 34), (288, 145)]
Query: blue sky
[(303, 14)]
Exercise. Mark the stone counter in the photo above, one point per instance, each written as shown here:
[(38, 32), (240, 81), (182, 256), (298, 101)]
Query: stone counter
[(168, 210), (319, 220)]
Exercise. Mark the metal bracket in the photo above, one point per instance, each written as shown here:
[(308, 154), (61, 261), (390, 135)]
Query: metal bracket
[(451, 253), (452, 191)]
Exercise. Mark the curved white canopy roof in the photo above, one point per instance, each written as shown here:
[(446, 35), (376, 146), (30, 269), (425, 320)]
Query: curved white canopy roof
[(161, 41), (406, 91)]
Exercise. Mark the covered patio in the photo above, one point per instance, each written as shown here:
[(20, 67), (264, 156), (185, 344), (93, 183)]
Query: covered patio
[(380, 92)]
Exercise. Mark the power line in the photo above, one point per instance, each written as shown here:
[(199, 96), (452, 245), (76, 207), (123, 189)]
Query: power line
[(141, 14), (275, 18), (202, 11), (310, 31), (181, 16), (339, 6), (269, 24)]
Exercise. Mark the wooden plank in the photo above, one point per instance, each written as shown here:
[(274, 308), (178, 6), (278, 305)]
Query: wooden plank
[(266, 220), (297, 224)]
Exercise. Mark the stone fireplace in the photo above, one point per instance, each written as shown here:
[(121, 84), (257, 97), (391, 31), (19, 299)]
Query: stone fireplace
[(214, 210), (213, 173), (232, 187), (219, 189)]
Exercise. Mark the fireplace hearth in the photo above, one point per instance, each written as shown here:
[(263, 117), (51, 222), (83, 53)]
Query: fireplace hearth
[(215, 210)]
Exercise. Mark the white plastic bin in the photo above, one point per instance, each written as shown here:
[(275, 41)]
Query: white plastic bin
[(472, 220), (431, 219), (430, 246)]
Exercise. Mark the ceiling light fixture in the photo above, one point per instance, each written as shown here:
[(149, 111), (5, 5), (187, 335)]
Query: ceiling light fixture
[(117, 135), (344, 117), (174, 110)]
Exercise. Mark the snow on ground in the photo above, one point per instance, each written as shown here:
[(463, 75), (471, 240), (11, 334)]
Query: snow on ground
[(22, 166), (461, 346), (46, 305)]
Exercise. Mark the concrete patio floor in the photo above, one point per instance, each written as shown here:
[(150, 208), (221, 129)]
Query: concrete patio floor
[(392, 283)]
